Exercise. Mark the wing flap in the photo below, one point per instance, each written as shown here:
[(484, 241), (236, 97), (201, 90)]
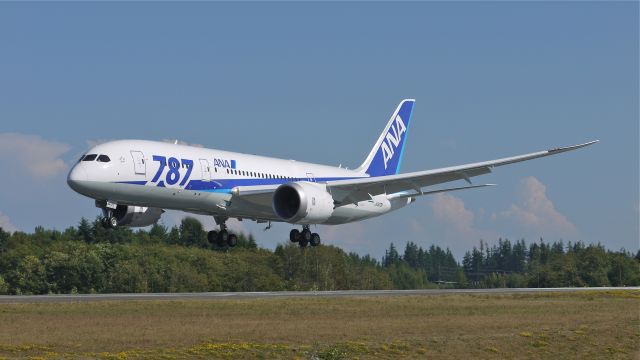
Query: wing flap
[(404, 195)]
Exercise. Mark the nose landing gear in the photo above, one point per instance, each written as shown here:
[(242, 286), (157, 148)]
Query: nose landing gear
[(223, 237), (304, 237), (109, 220)]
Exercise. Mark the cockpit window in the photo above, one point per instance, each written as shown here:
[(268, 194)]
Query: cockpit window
[(103, 158), (81, 157), (90, 157)]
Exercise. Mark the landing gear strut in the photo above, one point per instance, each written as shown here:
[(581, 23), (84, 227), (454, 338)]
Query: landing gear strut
[(222, 237), (304, 237), (108, 221)]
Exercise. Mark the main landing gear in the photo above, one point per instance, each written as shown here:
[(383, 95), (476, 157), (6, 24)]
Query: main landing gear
[(222, 237), (304, 237)]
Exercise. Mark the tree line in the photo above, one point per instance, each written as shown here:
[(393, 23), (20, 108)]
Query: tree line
[(90, 259)]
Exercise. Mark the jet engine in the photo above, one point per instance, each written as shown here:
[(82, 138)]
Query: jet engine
[(303, 202), (137, 216)]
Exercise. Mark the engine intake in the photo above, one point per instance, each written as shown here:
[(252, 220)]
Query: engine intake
[(303, 202)]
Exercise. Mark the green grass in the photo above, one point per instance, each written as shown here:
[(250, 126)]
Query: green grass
[(598, 324)]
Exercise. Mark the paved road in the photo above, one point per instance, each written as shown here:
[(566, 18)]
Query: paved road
[(280, 294)]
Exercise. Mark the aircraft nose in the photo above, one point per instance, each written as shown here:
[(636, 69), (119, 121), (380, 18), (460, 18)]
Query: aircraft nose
[(76, 175)]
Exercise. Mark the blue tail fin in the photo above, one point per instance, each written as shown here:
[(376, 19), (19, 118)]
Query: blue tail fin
[(386, 155)]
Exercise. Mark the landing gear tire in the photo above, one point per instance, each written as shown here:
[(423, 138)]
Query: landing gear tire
[(223, 238), (306, 236), (104, 223), (294, 235), (232, 240), (112, 222), (212, 236), (315, 239), (303, 242)]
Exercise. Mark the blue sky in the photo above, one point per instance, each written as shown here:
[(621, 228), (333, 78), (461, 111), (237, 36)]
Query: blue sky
[(317, 82)]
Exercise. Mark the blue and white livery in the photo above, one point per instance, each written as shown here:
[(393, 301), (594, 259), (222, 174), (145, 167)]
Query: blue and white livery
[(132, 181)]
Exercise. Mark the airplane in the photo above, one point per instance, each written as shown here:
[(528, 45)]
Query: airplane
[(134, 181)]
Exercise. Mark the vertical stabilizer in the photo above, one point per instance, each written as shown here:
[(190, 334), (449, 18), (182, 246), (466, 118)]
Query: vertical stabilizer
[(386, 155)]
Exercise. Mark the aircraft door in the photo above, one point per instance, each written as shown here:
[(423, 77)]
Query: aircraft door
[(139, 165), (310, 177), (206, 170)]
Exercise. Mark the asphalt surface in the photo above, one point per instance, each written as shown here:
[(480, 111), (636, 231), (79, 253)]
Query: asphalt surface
[(283, 294)]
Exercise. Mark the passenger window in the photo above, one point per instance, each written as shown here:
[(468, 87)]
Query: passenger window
[(103, 158), (90, 157)]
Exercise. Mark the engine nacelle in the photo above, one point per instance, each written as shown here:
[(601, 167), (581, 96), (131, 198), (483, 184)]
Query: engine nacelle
[(303, 202), (137, 216)]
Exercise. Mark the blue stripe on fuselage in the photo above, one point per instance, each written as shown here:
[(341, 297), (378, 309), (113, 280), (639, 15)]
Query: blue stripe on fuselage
[(225, 185)]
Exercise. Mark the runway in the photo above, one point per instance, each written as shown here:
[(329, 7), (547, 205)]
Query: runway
[(286, 294)]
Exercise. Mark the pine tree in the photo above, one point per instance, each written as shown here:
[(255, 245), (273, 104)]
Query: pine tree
[(411, 255), (85, 231), (391, 256)]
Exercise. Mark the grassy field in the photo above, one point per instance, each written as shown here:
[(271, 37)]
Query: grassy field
[(599, 324)]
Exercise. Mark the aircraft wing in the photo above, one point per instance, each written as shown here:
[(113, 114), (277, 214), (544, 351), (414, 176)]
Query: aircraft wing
[(354, 190)]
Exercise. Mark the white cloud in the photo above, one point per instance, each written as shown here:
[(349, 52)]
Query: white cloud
[(457, 224), (537, 211), (6, 225), (535, 215), (38, 157), (451, 210)]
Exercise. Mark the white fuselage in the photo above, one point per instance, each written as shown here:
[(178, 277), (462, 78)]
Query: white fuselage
[(198, 180)]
